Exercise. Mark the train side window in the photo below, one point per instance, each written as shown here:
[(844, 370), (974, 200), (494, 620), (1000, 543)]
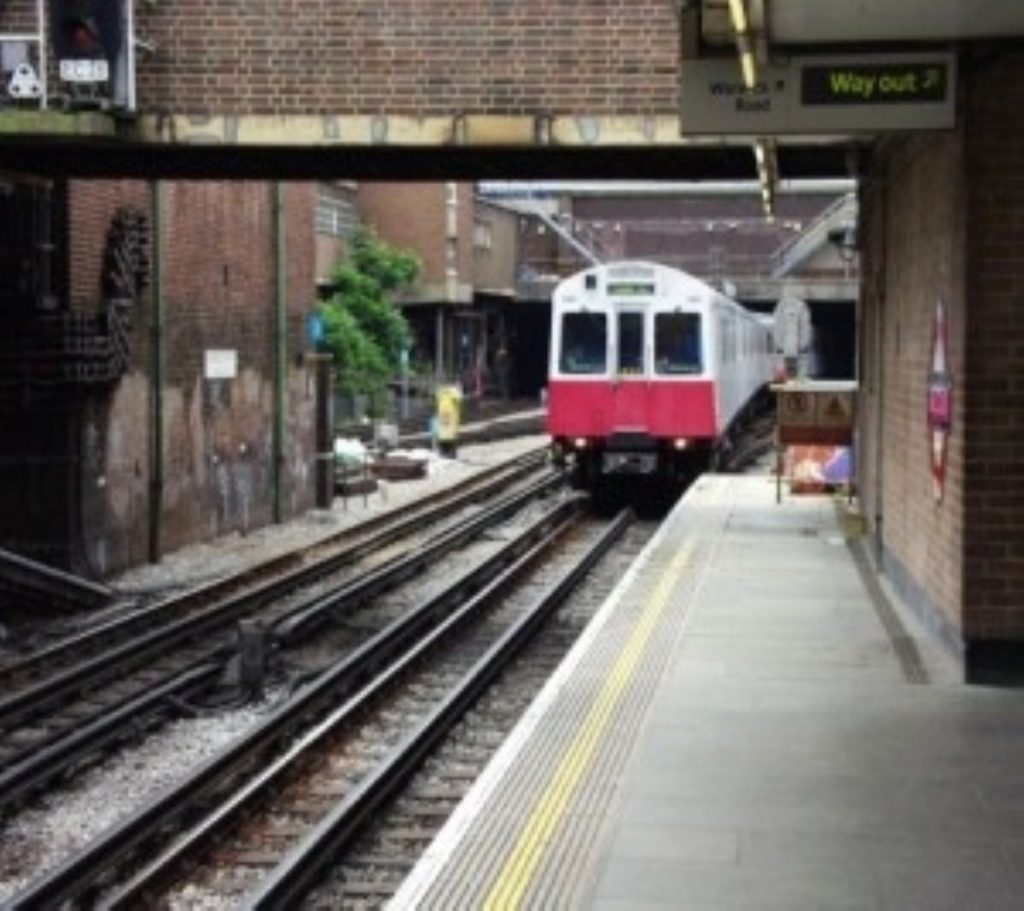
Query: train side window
[(631, 343), (584, 343), (677, 346)]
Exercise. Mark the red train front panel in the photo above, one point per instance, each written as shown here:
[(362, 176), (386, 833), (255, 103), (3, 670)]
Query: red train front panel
[(666, 409)]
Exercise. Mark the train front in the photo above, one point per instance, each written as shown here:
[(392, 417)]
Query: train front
[(629, 392)]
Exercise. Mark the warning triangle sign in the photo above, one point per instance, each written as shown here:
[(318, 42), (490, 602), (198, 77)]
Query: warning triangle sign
[(834, 408)]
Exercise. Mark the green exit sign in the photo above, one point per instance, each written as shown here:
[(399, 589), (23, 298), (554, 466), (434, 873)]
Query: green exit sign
[(880, 83)]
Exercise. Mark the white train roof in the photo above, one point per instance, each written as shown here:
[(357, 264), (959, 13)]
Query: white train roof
[(667, 279)]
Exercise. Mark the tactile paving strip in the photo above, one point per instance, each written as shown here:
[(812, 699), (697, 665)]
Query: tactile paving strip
[(528, 831)]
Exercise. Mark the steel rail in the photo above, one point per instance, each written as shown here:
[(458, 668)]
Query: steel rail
[(98, 638), (39, 766), (113, 662), (79, 873), (292, 879), (32, 772), (242, 801), (302, 621)]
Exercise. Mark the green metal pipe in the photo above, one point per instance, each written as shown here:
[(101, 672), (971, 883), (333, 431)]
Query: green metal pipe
[(156, 375), (280, 346)]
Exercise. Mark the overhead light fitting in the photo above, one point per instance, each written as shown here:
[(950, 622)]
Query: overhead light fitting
[(744, 42), (738, 12), (748, 68)]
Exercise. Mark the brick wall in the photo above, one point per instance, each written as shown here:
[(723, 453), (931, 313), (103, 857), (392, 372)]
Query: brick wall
[(19, 17), (914, 223), (410, 57), (219, 294), (414, 216), (994, 519), (943, 218), (409, 215)]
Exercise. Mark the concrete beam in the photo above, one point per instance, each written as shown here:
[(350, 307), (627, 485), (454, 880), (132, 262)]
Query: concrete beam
[(825, 290), (357, 146), (480, 130), (56, 124)]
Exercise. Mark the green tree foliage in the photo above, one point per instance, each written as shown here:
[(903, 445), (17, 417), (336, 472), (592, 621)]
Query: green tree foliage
[(363, 328)]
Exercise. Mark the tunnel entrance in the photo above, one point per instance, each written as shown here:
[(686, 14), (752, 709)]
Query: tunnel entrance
[(835, 328)]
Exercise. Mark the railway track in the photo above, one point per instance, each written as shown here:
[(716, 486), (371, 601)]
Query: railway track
[(756, 441), (367, 866), (49, 725), (244, 777), (268, 578)]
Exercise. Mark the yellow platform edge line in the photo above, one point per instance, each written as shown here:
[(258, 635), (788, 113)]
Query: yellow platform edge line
[(513, 879)]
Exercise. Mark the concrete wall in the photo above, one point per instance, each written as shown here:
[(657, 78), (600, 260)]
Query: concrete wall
[(494, 265), (217, 434)]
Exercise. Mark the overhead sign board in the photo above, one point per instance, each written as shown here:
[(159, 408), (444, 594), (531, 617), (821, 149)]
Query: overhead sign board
[(814, 95)]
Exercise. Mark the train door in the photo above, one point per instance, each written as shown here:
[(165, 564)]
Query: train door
[(629, 387)]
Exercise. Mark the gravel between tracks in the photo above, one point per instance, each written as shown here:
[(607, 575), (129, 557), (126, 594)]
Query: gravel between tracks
[(67, 818), (235, 552)]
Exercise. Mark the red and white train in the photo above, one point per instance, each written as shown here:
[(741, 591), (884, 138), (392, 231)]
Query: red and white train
[(650, 369)]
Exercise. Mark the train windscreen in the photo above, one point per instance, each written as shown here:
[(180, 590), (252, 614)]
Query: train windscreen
[(677, 343), (584, 343)]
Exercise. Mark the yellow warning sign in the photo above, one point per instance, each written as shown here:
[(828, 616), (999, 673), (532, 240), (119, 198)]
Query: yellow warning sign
[(816, 412), (796, 408), (835, 410)]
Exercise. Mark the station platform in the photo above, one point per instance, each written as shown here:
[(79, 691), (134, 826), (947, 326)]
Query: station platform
[(749, 722)]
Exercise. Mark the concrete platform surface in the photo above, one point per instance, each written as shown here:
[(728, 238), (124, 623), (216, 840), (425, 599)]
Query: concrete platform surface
[(801, 745)]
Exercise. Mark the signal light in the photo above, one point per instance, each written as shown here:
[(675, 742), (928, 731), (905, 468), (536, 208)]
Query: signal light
[(87, 30)]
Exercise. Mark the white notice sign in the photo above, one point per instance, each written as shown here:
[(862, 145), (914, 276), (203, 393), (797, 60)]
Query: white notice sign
[(220, 364), (713, 99)]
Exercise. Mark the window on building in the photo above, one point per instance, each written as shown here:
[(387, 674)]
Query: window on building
[(483, 238), (335, 217)]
